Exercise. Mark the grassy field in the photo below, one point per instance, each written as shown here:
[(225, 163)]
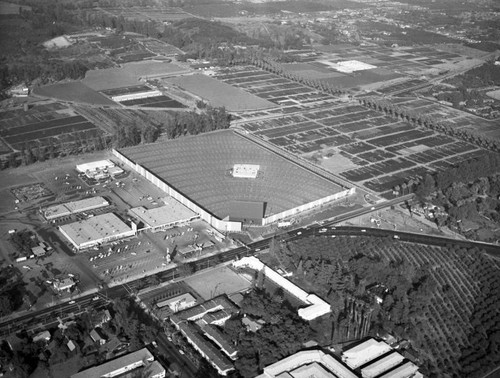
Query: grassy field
[(73, 92), (221, 94)]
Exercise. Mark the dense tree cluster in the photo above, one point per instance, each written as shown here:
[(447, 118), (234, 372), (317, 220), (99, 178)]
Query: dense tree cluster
[(424, 120), (50, 148), (484, 76), (12, 290), (192, 123), (482, 354), (423, 289), (129, 323), (347, 278), (282, 335)]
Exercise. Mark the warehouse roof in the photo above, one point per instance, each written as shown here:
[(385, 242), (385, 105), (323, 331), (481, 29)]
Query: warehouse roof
[(96, 228), (204, 173), (172, 212)]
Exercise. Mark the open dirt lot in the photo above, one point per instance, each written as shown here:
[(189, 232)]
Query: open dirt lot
[(221, 280)]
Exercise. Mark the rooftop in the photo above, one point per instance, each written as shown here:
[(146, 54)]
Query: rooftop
[(108, 368), (365, 352), (96, 228), (213, 354), (94, 165), (218, 337), (317, 358), (382, 365), (75, 207), (183, 298), (204, 175), (172, 212)]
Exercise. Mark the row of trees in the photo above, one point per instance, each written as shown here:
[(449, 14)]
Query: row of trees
[(427, 121), (127, 131), (42, 150)]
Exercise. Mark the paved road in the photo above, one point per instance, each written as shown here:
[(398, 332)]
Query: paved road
[(49, 315)]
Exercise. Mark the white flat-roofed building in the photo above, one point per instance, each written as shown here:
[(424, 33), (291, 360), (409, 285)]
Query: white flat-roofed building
[(74, 207), (94, 166), (348, 66), (115, 171), (245, 170), (303, 364), (160, 218), (407, 370), (100, 169), (364, 353), (96, 230), (140, 359), (56, 211), (136, 95), (178, 303), (315, 306), (388, 362), (42, 336), (64, 284)]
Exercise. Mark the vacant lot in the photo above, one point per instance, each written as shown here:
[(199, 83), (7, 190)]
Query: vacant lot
[(221, 94)]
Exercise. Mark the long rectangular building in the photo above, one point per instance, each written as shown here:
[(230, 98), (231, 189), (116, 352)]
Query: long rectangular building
[(140, 360), (94, 231), (74, 207), (230, 180)]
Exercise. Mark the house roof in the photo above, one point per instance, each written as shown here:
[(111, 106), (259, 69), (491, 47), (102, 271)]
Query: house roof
[(109, 367)]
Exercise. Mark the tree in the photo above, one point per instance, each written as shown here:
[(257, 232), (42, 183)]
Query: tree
[(5, 306)]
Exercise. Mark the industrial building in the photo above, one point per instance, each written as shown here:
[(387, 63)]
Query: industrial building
[(97, 230), (231, 180), (161, 218), (74, 207), (309, 363), (197, 325), (314, 305), (370, 359), (140, 362), (373, 358)]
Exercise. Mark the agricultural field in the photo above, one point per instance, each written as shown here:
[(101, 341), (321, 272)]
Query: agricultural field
[(73, 92), (10, 8), (43, 125), (218, 93), (129, 74), (161, 48), (163, 14), (374, 149), (459, 120), (437, 297), (288, 95), (154, 102)]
